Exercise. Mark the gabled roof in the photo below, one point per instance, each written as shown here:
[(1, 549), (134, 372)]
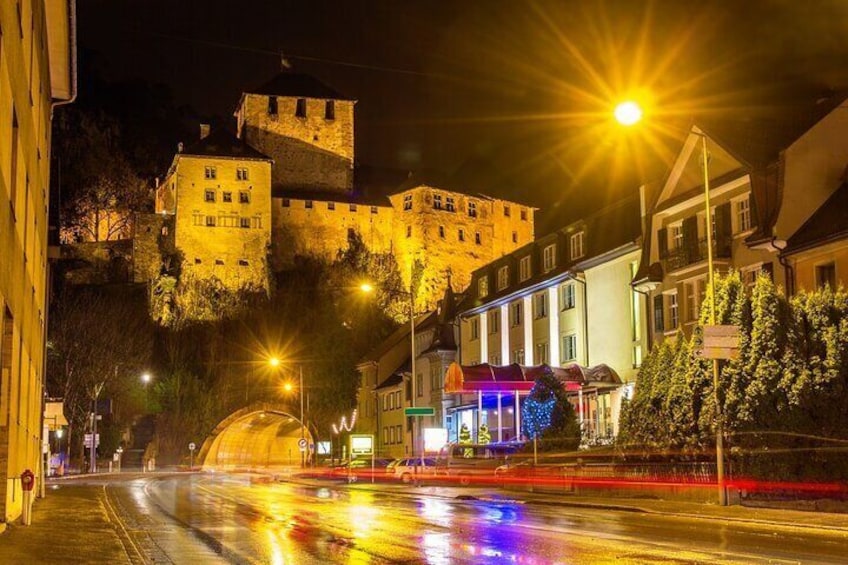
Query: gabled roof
[(828, 223), (298, 85), (221, 143)]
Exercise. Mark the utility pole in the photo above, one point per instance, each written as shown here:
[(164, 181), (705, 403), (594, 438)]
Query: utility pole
[(97, 389)]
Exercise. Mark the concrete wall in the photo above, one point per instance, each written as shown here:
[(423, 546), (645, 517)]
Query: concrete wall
[(218, 250), (25, 121), (310, 153)]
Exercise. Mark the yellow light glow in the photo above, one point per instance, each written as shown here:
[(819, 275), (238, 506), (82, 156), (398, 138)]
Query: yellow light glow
[(366, 287), (288, 387), (274, 362), (628, 113)]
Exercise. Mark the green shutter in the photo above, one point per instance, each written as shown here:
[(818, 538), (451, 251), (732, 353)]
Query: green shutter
[(662, 240)]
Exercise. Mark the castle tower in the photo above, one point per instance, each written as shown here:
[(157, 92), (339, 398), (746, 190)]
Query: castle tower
[(305, 127)]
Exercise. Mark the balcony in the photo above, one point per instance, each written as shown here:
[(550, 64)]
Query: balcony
[(685, 256)]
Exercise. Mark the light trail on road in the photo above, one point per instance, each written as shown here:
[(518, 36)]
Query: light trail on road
[(242, 520)]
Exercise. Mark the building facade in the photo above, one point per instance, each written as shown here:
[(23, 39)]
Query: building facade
[(37, 72), (563, 301)]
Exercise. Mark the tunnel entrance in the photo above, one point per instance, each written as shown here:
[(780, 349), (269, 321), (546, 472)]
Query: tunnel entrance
[(259, 436)]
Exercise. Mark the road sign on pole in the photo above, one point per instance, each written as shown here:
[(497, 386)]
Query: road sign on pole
[(419, 411), (302, 443), (719, 342)]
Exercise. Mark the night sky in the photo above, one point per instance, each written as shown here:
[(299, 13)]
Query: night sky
[(514, 94)]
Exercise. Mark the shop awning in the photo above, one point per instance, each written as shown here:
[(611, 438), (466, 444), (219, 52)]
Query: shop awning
[(507, 378)]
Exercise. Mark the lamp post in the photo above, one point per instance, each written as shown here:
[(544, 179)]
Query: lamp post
[(145, 381), (368, 288), (275, 362), (629, 113)]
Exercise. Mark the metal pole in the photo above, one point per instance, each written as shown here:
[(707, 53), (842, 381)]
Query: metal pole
[(722, 494), (302, 428), (412, 365)]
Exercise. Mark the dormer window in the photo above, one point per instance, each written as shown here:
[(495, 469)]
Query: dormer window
[(300, 108), (549, 257), (503, 277), (329, 110), (483, 286), (524, 270), (577, 248)]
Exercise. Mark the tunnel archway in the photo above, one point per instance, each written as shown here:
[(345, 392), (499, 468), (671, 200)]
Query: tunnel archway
[(262, 435)]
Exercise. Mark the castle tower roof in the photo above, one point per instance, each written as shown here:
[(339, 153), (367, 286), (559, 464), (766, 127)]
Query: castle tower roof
[(298, 85), (221, 143)]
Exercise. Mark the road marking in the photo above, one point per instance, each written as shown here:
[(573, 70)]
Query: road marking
[(123, 535)]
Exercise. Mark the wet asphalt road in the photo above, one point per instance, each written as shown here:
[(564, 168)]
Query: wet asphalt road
[(230, 519)]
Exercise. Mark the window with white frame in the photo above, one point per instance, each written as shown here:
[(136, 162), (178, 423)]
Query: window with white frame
[(569, 347), (483, 286), (450, 206), (568, 299), (437, 201), (495, 359), (541, 355), (475, 328), (524, 270), (494, 320), (407, 202), (749, 275), (503, 277), (693, 301), (549, 257), (540, 305), (515, 313), (518, 356), (472, 209), (241, 173), (743, 214), (673, 311), (577, 249), (675, 236), (210, 172)]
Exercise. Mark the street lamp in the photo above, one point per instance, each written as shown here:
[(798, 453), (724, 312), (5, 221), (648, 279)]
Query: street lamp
[(629, 113), (145, 380), (288, 387), (368, 288)]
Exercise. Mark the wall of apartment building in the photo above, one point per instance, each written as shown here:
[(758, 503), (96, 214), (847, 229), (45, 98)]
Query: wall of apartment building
[(318, 228), (235, 255), (25, 121), (806, 263), (309, 152)]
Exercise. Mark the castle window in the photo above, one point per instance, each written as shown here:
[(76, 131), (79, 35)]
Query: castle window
[(524, 214), (331, 205), (351, 233), (243, 263), (472, 209), (506, 211), (437, 201), (308, 204), (241, 173), (209, 196), (524, 268), (442, 232), (515, 237), (407, 202), (227, 197), (329, 110), (461, 234), (219, 261), (210, 221), (244, 197), (300, 108), (450, 206), (286, 202), (197, 261), (244, 222), (477, 239), (408, 231), (353, 207), (373, 209), (211, 173), (272, 105)]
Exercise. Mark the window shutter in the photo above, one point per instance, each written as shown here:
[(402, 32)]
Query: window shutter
[(768, 269), (690, 239), (723, 230), (662, 239)]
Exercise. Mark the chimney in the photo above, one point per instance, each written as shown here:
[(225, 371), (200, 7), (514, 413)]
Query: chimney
[(204, 131)]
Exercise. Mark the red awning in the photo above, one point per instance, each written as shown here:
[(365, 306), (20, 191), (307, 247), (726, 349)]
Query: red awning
[(508, 378)]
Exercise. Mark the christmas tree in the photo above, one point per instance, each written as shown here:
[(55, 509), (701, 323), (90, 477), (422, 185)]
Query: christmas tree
[(484, 436)]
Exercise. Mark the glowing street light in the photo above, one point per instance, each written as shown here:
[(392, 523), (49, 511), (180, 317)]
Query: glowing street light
[(274, 361), (145, 378), (628, 113), (366, 287), (288, 387)]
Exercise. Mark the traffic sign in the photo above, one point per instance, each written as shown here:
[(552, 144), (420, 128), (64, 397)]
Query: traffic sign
[(302, 443), (719, 342), (191, 446), (419, 411), (361, 444)]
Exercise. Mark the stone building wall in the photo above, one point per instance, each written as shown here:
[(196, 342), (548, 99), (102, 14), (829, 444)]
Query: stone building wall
[(153, 246), (322, 230), (236, 255), (311, 152)]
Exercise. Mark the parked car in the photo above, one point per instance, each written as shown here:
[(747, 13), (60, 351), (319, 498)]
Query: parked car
[(404, 469), (467, 461), (361, 467)]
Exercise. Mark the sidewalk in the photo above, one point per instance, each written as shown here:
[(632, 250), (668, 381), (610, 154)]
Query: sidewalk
[(832, 522), (71, 524)]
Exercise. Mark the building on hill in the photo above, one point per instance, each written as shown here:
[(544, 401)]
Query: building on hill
[(37, 73), (306, 127), (219, 191)]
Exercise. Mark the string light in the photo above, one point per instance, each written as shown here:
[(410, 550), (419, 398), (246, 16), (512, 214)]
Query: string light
[(343, 425)]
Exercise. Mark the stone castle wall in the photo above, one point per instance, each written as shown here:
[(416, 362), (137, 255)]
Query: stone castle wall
[(236, 255), (153, 245), (311, 152)]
